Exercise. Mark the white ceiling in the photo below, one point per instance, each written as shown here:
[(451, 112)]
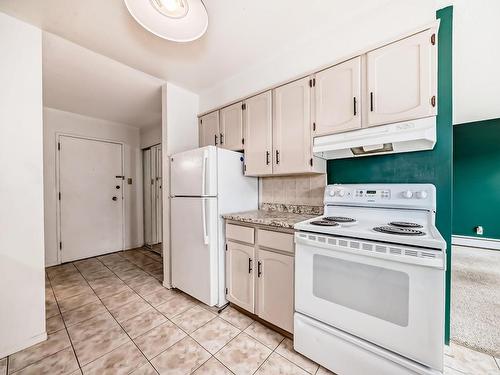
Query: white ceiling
[(78, 80), (241, 33)]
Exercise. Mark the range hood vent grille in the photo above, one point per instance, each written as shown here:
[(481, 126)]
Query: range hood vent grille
[(360, 151)]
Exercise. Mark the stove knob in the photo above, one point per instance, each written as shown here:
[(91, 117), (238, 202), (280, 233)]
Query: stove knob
[(331, 193), (407, 194), (341, 193), (421, 194)]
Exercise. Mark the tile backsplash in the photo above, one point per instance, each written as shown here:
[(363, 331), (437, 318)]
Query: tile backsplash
[(293, 190)]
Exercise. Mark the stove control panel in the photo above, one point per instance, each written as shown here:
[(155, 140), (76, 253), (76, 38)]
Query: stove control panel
[(373, 194), (418, 196)]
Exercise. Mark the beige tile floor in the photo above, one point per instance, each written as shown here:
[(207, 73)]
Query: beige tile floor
[(111, 315)]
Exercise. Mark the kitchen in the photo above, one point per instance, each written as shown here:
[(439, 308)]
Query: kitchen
[(305, 222)]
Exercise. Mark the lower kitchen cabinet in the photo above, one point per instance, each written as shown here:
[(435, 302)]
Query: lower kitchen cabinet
[(260, 276), (275, 288), (240, 282)]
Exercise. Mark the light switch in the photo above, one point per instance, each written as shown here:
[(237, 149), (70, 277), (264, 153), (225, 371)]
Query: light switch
[(129, 181), (479, 230)]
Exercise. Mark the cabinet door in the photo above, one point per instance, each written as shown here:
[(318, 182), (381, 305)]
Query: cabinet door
[(401, 80), (257, 120), (240, 281), (337, 94), (231, 127), (292, 127), (209, 129), (275, 289)]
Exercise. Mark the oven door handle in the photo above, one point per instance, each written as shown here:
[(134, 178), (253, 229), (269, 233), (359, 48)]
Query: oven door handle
[(416, 256)]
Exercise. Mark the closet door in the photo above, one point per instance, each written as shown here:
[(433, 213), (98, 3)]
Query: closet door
[(337, 93), (231, 127), (209, 129), (257, 120), (148, 201), (401, 80), (292, 127), (158, 194)]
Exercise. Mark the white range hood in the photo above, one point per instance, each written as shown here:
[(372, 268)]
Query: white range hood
[(414, 135)]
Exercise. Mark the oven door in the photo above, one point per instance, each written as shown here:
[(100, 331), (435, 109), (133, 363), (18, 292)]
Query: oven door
[(386, 294)]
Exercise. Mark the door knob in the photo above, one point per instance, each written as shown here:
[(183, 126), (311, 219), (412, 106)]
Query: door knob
[(115, 198)]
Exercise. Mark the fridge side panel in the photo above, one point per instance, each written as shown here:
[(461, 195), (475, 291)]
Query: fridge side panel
[(194, 245), (236, 193)]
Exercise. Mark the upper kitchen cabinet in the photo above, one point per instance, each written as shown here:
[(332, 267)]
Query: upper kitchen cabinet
[(257, 120), (209, 129), (231, 127), (401, 80), (337, 93), (292, 133)]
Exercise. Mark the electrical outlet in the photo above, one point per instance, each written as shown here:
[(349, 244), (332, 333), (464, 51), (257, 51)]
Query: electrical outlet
[(479, 230)]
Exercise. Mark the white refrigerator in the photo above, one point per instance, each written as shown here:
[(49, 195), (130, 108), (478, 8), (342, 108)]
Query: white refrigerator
[(205, 183)]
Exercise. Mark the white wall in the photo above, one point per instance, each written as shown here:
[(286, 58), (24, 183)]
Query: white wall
[(56, 121), (179, 133), (476, 54), (181, 116), (22, 307), (150, 136), (328, 46)]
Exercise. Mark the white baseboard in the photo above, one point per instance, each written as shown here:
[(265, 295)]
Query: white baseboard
[(130, 247), (167, 285), (484, 243), (52, 263), (26, 344)]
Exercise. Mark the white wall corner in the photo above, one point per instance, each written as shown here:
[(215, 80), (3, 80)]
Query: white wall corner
[(22, 281)]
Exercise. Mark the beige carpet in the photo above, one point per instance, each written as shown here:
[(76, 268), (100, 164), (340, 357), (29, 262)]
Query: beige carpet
[(475, 299)]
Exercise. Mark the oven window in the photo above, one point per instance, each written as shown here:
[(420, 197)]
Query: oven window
[(376, 291)]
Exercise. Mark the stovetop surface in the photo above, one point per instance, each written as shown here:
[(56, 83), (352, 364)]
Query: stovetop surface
[(366, 219)]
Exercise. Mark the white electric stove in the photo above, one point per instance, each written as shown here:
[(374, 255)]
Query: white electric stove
[(370, 281)]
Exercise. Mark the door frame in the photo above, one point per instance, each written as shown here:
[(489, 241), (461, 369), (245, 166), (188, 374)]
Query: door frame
[(58, 136)]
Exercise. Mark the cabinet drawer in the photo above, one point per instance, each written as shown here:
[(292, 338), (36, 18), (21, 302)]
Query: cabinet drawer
[(276, 240), (240, 233)]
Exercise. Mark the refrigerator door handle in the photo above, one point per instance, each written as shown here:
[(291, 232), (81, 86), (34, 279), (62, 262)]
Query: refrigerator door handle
[(204, 173), (204, 219)]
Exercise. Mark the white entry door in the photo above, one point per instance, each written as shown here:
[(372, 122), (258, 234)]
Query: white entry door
[(91, 200)]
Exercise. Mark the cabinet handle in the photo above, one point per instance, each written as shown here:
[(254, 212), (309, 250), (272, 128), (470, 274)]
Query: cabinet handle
[(215, 136), (259, 268), (249, 265), (267, 157), (355, 106), (277, 157), (221, 138), (371, 102)]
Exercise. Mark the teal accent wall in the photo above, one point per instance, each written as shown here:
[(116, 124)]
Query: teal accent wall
[(476, 178), (433, 166)]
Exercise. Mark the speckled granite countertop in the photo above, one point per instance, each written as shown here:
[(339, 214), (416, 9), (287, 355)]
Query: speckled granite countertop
[(283, 217)]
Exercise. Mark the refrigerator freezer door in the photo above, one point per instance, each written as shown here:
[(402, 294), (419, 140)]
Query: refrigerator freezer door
[(194, 247), (194, 173)]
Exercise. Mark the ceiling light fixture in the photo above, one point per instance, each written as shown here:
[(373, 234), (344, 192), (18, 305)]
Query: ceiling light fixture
[(176, 20)]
